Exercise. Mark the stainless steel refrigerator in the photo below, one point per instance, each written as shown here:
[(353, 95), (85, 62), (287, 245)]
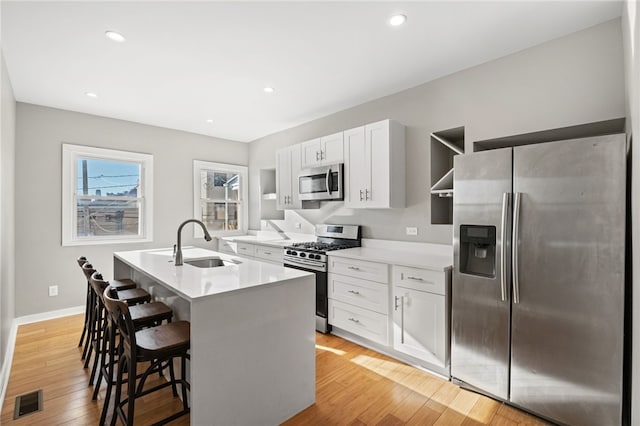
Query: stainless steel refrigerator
[(539, 277)]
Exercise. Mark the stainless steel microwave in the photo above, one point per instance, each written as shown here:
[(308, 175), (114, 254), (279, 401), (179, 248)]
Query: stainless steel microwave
[(321, 183)]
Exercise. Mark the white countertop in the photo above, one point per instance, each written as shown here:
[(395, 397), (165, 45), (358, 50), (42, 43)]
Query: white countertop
[(426, 259), (192, 282)]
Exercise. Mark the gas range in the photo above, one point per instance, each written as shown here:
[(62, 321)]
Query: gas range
[(312, 257), (312, 254)]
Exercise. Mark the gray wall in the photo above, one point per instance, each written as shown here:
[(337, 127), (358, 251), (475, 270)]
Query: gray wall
[(572, 80), (631, 39), (41, 261), (7, 204)]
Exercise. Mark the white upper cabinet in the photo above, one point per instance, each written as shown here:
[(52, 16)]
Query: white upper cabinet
[(287, 169), (375, 165), (322, 151)]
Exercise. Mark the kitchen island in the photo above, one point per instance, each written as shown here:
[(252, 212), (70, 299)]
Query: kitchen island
[(252, 331)]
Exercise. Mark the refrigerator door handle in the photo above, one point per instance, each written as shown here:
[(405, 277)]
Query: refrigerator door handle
[(503, 246), (514, 246)]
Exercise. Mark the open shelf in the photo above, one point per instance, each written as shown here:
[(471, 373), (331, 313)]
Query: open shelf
[(268, 196), (445, 145)]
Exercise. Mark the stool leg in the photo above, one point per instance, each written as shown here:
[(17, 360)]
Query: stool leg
[(109, 371), (172, 378), (183, 372), (131, 391), (99, 354), (87, 307), (92, 335), (89, 328), (116, 402)]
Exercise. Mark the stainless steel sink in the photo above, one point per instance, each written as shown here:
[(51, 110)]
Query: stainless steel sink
[(212, 262)]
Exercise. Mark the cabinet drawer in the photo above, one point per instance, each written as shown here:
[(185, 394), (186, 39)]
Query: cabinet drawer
[(271, 254), (360, 269), (245, 249), (419, 279), (368, 324), (225, 246), (361, 293)]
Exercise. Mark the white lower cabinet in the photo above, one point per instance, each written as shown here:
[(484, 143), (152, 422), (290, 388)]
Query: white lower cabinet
[(420, 314), (229, 247), (246, 250), (359, 298), (270, 254)]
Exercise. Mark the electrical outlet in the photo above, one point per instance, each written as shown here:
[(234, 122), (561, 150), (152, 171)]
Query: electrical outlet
[(298, 225), (412, 230), (53, 290)]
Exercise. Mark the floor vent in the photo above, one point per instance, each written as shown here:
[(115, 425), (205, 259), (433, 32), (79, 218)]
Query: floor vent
[(27, 404)]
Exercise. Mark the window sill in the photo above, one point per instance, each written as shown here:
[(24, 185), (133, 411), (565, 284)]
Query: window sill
[(102, 241)]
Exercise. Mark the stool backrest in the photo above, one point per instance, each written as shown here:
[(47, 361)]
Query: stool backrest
[(88, 270), (81, 261), (120, 316), (98, 284)]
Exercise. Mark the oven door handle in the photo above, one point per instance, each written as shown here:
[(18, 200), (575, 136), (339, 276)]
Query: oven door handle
[(327, 181)]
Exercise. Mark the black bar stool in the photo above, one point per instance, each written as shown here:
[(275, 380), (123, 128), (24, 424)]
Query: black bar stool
[(87, 308), (130, 297), (155, 345), (143, 315)]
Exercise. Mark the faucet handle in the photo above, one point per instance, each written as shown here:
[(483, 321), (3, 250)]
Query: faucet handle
[(175, 248)]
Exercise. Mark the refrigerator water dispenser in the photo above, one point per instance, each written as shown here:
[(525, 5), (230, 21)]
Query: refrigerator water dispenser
[(478, 250)]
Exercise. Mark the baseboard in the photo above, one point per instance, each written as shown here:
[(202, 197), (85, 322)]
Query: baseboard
[(28, 319), (11, 343), (8, 359)]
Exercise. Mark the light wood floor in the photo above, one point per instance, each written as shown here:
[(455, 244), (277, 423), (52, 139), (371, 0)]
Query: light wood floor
[(354, 386)]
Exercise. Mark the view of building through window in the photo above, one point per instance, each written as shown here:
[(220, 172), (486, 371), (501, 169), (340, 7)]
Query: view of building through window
[(219, 199), (107, 197)]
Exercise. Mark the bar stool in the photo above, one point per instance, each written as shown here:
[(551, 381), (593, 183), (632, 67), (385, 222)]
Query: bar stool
[(81, 261), (155, 345), (88, 270), (131, 297), (143, 315)]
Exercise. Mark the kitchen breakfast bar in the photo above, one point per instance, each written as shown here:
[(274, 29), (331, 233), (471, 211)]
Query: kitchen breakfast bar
[(252, 331)]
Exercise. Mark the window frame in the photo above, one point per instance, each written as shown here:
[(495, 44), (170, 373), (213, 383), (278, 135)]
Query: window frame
[(70, 155), (243, 198)]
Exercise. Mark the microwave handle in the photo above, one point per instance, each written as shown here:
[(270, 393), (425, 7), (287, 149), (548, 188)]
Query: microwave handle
[(328, 181)]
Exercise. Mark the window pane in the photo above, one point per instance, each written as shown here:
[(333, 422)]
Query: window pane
[(107, 217), (220, 216), (107, 177), (220, 185)]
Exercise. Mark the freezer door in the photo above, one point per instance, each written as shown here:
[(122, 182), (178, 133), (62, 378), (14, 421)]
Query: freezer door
[(568, 322), (481, 302)]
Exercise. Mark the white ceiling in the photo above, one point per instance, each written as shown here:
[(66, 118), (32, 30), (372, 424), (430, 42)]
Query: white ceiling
[(186, 62)]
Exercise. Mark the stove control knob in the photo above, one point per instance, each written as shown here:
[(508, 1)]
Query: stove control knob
[(304, 255), (316, 256), (294, 253), (288, 251)]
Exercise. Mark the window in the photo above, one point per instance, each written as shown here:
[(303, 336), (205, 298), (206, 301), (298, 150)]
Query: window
[(220, 194), (107, 196)]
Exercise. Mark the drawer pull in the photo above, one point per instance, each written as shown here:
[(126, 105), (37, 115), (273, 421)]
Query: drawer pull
[(354, 292), (243, 248), (415, 278), (357, 321), (267, 253), (355, 268)]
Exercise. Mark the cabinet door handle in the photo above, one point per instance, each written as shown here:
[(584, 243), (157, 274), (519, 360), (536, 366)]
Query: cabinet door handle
[(361, 195), (366, 194), (317, 155), (354, 292), (242, 248), (323, 154), (357, 321), (355, 268), (415, 278), (268, 253), (396, 303)]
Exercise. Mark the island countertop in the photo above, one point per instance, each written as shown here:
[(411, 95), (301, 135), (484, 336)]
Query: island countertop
[(192, 282)]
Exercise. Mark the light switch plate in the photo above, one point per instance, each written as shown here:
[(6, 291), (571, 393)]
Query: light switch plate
[(412, 230)]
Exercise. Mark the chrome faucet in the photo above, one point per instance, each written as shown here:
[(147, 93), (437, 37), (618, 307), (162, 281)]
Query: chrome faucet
[(178, 247)]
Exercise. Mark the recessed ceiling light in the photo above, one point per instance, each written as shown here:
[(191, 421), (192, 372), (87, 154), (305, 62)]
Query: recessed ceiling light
[(397, 20), (91, 95), (209, 121), (269, 89), (115, 36)]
